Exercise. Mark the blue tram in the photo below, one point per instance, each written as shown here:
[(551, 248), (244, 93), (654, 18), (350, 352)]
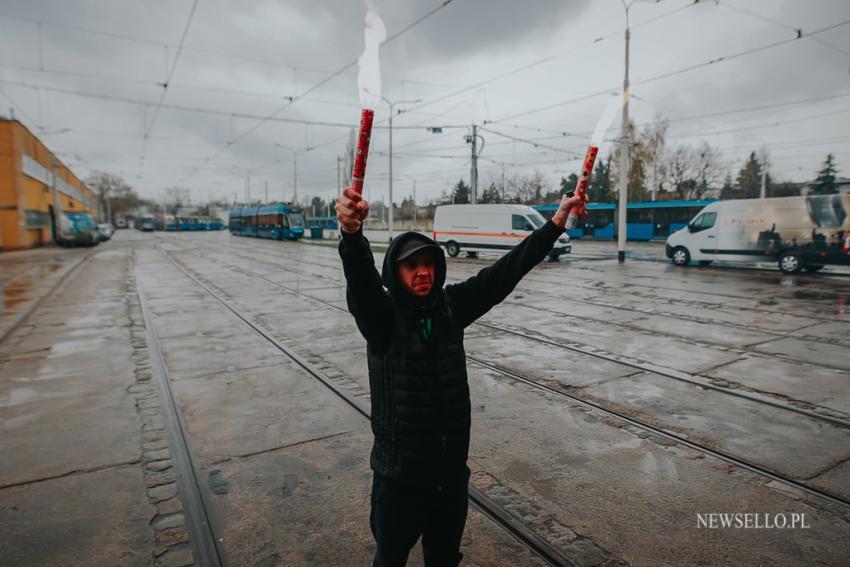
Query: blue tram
[(277, 221), (329, 223), (647, 220)]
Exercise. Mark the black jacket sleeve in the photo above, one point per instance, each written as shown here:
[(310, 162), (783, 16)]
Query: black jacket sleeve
[(477, 295), (367, 300)]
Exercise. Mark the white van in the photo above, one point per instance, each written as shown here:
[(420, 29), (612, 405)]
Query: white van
[(489, 228), (797, 232)]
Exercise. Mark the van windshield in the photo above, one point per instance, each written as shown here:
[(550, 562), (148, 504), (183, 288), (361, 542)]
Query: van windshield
[(703, 222), (536, 219)]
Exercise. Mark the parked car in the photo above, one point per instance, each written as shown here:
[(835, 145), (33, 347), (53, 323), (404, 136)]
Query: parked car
[(104, 231)]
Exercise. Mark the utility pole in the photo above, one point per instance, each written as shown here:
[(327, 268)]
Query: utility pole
[(414, 204), (763, 194), (267, 191), (473, 168), (624, 146), (390, 223), (392, 106), (624, 155), (503, 182), (338, 175)]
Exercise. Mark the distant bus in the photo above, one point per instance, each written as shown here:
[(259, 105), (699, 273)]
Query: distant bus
[(277, 221)]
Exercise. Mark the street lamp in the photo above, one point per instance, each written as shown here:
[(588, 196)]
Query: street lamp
[(392, 105), (624, 148)]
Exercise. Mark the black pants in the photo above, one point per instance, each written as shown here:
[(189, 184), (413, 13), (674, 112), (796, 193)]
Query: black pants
[(403, 512)]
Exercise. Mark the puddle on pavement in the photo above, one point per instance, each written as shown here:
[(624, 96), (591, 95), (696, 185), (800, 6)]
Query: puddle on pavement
[(76, 346)]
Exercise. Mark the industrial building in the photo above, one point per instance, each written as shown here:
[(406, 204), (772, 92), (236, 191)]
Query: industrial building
[(34, 186)]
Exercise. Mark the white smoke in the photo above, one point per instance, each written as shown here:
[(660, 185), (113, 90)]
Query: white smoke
[(369, 77), (615, 102)]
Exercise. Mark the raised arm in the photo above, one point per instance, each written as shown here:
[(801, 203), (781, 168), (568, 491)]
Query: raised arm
[(480, 293), (367, 300)]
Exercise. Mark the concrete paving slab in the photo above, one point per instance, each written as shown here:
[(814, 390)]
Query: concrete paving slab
[(837, 476), (635, 499), (97, 518), (190, 356), (819, 386), (792, 444), (525, 357), (707, 332), (820, 354), (257, 410), (668, 352)]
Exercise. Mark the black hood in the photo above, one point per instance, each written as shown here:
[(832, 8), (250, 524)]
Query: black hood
[(389, 271)]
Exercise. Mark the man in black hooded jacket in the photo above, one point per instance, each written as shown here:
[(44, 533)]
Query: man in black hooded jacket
[(417, 375)]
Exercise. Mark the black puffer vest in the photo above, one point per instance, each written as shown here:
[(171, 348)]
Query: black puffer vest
[(420, 395)]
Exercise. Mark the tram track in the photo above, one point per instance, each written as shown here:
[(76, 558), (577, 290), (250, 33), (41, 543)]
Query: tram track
[(620, 416), (501, 517), (202, 534), (807, 409), (583, 283)]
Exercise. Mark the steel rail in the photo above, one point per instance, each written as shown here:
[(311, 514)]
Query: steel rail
[(202, 537)]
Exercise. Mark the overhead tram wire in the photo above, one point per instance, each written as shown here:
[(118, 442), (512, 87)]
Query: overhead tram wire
[(676, 72), (530, 142), (582, 134), (546, 59), (320, 84), (193, 48), (760, 126), (789, 27), (149, 127), (139, 102), (525, 67)]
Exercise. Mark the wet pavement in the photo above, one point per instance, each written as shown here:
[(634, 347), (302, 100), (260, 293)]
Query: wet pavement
[(611, 405)]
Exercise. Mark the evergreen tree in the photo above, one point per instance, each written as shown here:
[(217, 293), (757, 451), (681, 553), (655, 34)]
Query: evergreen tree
[(461, 193), (748, 183), (491, 194), (569, 183), (728, 190), (599, 190), (824, 183)]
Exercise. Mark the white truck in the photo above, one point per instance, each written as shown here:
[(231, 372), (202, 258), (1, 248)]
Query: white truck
[(797, 232), (489, 228)]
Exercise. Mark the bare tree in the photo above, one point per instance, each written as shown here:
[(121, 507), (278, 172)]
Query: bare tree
[(708, 169), (526, 188), (654, 137), (680, 170)]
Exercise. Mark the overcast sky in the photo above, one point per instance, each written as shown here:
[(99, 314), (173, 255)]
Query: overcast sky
[(87, 76)]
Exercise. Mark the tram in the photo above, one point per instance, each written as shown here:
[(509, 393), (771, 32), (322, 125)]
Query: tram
[(277, 221), (647, 220)]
